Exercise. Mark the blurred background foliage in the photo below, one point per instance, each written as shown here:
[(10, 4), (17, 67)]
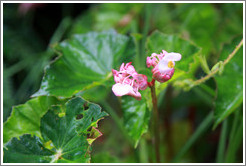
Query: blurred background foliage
[(30, 33)]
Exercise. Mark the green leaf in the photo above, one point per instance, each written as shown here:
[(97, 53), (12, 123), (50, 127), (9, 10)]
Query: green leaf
[(158, 41), (136, 117), (229, 84), (200, 19), (64, 138), (27, 149), (86, 62), (101, 91), (25, 118), (220, 66)]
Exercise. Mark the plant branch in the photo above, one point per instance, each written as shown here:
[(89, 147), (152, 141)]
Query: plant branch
[(197, 82), (155, 121)]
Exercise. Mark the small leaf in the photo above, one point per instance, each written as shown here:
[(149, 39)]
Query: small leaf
[(204, 63), (63, 139), (219, 66), (25, 118), (229, 84), (86, 61), (136, 117)]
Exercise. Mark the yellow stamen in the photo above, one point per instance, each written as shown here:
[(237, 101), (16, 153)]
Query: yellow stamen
[(170, 64)]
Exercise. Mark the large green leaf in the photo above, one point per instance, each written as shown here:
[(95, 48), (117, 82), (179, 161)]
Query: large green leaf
[(25, 118), (200, 19), (26, 149), (65, 133), (86, 61), (229, 84), (136, 117)]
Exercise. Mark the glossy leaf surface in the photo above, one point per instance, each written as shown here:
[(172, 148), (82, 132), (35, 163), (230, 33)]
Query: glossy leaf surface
[(136, 117), (230, 83), (86, 61), (27, 149), (25, 118), (64, 135)]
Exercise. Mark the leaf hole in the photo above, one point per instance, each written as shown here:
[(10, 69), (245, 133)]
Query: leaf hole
[(86, 106), (89, 129), (92, 119), (79, 116)]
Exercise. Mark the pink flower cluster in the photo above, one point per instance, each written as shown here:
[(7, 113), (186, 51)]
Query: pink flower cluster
[(128, 81), (163, 64)]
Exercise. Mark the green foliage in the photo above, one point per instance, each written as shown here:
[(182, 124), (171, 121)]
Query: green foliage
[(136, 117), (229, 84), (26, 149), (8, 100), (47, 128), (64, 138), (25, 118), (86, 62), (106, 16), (200, 20)]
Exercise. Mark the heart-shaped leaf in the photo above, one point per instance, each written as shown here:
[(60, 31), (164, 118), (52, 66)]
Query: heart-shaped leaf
[(86, 61), (64, 134), (229, 84)]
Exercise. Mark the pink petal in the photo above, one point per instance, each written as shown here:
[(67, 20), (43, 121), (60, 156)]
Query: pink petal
[(142, 81), (148, 62), (163, 66), (125, 89), (121, 89), (173, 56)]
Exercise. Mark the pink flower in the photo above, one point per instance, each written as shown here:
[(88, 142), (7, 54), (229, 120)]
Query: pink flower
[(163, 64), (128, 81)]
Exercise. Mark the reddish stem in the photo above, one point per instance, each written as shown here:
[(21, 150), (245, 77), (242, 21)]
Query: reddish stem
[(155, 120)]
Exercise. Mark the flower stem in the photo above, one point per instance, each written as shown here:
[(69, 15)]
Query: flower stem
[(155, 121)]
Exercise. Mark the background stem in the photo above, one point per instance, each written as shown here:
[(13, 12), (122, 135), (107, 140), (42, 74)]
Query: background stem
[(200, 130), (166, 116), (155, 123), (222, 143)]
